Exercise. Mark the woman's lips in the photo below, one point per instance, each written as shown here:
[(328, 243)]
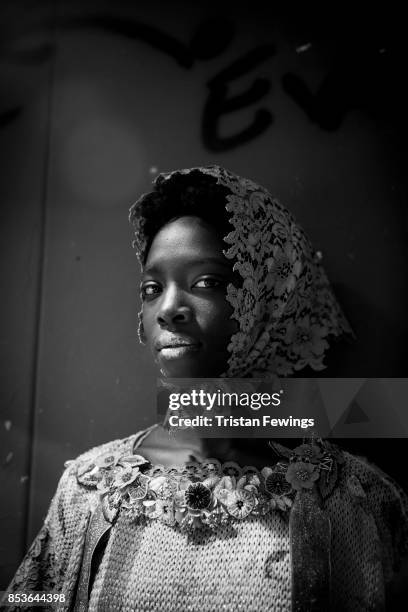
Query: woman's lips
[(178, 351), (174, 348)]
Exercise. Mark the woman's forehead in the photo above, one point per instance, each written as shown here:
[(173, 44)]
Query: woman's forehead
[(188, 239)]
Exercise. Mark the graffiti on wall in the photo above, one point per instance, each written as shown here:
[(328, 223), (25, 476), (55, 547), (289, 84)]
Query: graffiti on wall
[(351, 83)]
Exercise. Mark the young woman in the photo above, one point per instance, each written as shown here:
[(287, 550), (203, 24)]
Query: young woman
[(231, 288)]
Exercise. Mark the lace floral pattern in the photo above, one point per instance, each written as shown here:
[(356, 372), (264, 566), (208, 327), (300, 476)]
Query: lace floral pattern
[(210, 493), (39, 561), (285, 308)]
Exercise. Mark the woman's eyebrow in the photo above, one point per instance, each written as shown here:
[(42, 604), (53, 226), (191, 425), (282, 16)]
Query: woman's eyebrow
[(156, 267)]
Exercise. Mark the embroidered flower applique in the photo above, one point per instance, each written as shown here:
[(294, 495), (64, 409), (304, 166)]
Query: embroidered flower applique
[(209, 493), (302, 475)]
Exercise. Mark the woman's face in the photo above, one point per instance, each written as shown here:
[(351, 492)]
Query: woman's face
[(186, 317)]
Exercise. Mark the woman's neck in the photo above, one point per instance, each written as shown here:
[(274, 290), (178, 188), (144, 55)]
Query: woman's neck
[(177, 447)]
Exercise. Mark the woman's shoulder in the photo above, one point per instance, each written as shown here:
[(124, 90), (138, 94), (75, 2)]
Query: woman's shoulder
[(79, 471), (113, 447), (372, 478)]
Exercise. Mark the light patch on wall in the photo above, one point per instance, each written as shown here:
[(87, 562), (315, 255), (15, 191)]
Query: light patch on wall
[(102, 161)]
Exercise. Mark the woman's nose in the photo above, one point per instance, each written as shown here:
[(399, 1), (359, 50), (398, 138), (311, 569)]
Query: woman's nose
[(173, 309)]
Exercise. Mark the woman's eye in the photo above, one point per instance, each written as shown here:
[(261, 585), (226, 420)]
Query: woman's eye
[(205, 283), (149, 290)]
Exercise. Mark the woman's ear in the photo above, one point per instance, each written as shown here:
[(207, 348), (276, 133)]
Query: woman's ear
[(141, 331)]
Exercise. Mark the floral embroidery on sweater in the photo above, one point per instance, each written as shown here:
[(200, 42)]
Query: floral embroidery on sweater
[(209, 493)]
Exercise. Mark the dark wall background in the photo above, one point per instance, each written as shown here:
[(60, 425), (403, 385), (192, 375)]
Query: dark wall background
[(96, 98)]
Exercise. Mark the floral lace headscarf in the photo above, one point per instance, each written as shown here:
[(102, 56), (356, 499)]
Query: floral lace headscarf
[(285, 308)]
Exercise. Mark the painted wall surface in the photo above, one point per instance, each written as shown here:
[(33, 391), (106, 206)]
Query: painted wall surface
[(97, 98)]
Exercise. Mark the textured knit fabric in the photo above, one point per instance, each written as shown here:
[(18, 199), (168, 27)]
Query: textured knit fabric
[(286, 309), (245, 567), (148, 565)]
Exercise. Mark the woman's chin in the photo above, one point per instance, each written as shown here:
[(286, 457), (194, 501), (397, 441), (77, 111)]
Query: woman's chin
[(178, 368)]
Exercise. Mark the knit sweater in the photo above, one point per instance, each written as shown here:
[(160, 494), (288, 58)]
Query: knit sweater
[(254, 561)]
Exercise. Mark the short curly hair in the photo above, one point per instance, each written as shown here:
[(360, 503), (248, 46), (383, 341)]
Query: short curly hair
[(193, 194)]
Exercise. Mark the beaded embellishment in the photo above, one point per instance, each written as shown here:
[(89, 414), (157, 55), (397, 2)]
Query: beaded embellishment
[(209, 493)]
